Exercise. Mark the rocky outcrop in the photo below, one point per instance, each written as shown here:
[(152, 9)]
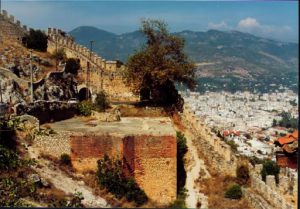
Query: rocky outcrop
[(56, 86), (11, 91)]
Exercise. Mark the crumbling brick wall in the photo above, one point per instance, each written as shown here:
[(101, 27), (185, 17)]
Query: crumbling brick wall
[(151, 160)]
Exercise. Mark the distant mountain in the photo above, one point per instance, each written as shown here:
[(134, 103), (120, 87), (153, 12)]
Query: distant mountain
[(229, 55)]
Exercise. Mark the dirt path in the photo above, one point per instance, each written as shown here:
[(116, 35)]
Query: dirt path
[(193, 168), (63, 182)]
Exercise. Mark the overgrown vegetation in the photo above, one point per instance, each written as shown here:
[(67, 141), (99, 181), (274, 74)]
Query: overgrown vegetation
[(181, 151), (270, 168), (36, 39), (101, 102), (180, 200), (232, 144), (72, 66), (242, 174), (155, 68), (60, 54), (65, 159), (234, 192), (111, 176), (181, 173), (85, 108)]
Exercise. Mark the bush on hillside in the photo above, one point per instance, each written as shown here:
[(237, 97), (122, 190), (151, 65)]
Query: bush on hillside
[(270, 168), (36, 39), (72, 66), (242, 174), (59, 54), (234, 192), (101, 102), (111, 177), (181, 151), (85, 108), (65, 159)]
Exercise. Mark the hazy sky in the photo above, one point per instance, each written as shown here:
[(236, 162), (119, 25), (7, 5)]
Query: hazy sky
[(273, 19)]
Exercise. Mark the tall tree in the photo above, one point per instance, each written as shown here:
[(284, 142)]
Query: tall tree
[(157, 66)]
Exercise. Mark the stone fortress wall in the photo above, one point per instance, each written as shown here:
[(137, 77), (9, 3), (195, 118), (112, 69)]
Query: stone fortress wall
[(261, 195), (151, 160), (223, 158), (276, 196), (104, 75), (11, 28)]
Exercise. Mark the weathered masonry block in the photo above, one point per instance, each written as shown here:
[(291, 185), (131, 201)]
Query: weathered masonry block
[(151, 160)]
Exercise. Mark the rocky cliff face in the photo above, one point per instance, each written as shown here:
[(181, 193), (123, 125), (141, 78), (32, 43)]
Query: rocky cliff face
[(11, 91), (56, 86)]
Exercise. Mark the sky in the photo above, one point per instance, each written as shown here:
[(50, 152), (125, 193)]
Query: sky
[(271, 19)]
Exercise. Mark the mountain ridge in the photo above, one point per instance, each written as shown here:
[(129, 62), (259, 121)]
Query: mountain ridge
[(232, 54)]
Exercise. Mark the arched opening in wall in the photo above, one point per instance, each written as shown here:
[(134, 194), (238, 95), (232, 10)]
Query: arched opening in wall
[(84, 94)]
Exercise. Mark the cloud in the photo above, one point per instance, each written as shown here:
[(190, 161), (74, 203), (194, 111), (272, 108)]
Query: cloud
[(219, 26), (248, 23), (252, 25)]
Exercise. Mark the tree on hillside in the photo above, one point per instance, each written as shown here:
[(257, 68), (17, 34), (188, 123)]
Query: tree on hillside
[(156, 67), (72, 66), (36, 39)]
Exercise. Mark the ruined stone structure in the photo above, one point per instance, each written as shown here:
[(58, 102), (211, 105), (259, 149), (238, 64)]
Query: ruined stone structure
[(147, 147), (268, 195), (151, 160), (11, 28), (104, 75)]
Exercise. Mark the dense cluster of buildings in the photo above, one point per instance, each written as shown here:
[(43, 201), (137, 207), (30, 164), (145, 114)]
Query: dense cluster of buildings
[(244, 118)]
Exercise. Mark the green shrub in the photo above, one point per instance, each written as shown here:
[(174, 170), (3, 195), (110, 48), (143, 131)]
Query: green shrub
[(8, 159), (181, 150), (36, 39), (180, 200), (234, 192), (65, 159), (111, 177), (270, 168), (232, 144), (72, 66), (59, 54), (101, 102), (242, 174), (85, 108)]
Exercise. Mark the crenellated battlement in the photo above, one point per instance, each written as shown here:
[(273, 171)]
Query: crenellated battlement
[(104, 74), (60, 39), (10, 27)]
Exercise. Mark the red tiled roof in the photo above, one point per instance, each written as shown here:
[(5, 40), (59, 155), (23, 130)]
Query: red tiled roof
[(288, 138)]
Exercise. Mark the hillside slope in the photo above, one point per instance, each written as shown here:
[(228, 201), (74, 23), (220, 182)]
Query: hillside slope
[(222, 57)]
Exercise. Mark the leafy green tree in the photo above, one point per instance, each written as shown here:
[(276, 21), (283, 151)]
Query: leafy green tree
[(156, 67), (72, 66), (36, 39)]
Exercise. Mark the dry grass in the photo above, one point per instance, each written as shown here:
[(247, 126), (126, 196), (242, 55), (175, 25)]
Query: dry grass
[(132, 111)]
